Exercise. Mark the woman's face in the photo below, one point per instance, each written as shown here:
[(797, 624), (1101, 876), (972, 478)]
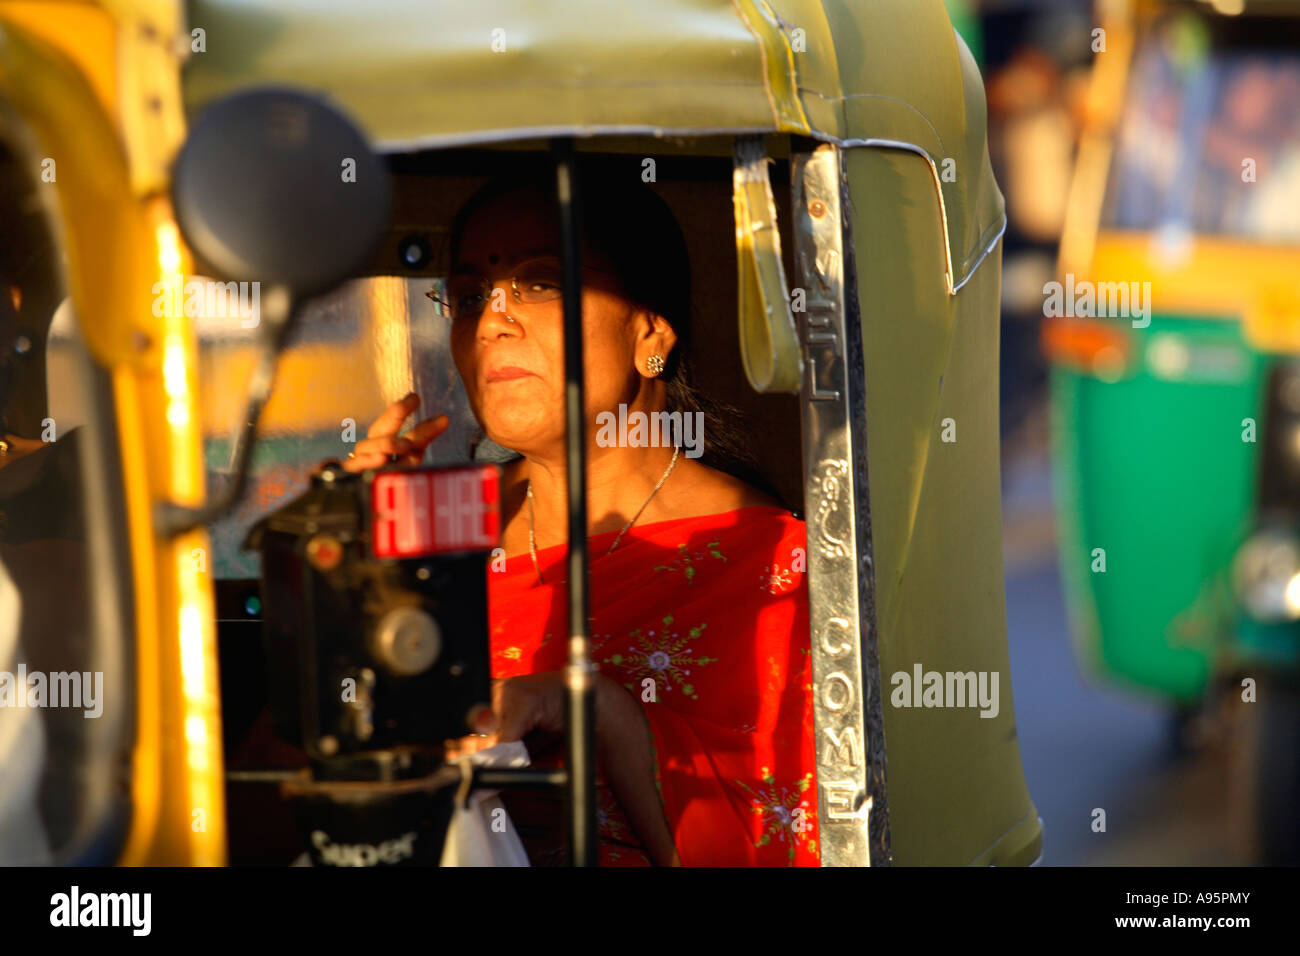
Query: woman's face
[(511, 358)]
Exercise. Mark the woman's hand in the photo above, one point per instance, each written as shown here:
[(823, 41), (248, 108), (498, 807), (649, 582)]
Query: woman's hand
[(536, 703), (521, 705), (382, 441)]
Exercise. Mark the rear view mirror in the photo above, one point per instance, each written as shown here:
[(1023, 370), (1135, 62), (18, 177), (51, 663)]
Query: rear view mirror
[(275, 185)]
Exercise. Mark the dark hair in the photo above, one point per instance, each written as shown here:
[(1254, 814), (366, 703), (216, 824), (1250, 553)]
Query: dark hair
[(634, 228)]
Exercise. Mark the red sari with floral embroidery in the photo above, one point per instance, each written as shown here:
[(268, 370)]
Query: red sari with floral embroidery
[(709, 617)]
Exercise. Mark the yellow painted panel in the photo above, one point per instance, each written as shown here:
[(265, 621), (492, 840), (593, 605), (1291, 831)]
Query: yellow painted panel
[(53, 71), (82, 32), (1209, 277)]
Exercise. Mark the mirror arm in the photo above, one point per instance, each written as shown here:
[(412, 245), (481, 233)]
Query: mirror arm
[(277, 313)]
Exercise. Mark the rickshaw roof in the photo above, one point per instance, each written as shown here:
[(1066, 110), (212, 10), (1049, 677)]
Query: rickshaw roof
[(416, 74)]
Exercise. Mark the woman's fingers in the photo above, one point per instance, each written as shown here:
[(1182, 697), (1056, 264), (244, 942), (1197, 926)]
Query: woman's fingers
[(387, 445), (383, 442), (376, 452), (464, 746), (390, 422), (531, 702), (410, 446), (512, 702), (427, 431)]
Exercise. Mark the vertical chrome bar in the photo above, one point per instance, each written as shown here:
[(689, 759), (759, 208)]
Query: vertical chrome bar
[(579, 675), (849, 729)]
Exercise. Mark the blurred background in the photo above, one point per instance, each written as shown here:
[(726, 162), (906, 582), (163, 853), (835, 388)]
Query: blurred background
[(1150, 142)]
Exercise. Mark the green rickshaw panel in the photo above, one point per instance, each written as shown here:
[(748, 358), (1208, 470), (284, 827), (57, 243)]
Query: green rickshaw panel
[(1155, 473)]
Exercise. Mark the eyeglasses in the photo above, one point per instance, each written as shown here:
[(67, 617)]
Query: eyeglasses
[(533, 282)]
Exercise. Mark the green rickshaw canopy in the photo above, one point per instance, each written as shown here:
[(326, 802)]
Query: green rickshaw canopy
[(417, 75)]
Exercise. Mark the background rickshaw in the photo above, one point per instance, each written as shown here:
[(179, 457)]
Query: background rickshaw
[(1171, 427), (843, 149)]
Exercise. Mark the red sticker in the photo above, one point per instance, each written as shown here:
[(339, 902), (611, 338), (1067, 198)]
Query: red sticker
[(415, 513)]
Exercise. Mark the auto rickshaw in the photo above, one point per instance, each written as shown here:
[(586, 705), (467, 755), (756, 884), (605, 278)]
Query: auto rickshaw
[(852, 309), (1171, 417)]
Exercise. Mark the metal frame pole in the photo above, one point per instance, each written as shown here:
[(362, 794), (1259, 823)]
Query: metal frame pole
[(580, 677)]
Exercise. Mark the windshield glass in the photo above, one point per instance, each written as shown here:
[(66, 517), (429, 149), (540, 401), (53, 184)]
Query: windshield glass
[(1209, 142), (352, 353)]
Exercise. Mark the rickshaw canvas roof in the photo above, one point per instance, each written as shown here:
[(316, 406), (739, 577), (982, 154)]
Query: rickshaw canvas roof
[(416, 75)]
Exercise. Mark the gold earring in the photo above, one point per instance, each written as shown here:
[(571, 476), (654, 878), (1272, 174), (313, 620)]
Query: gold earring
[(654, 364)]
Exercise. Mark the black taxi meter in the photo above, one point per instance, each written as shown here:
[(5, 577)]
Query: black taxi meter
[(374, 594)]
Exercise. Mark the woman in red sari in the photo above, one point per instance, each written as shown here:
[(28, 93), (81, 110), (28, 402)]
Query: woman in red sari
[(698, 598)]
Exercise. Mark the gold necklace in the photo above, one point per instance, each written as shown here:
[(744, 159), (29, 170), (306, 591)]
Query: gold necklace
[(532, 537)]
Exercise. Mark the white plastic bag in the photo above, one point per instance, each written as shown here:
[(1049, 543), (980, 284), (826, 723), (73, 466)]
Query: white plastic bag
[(482, 834)]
